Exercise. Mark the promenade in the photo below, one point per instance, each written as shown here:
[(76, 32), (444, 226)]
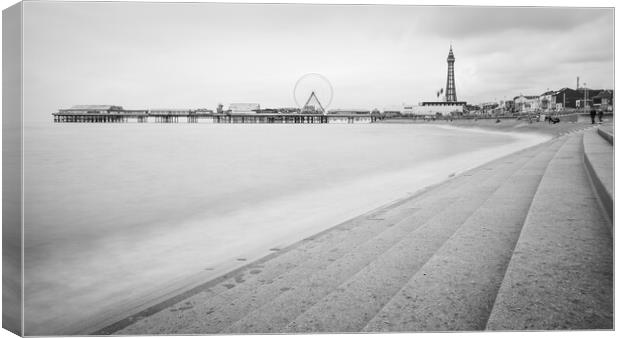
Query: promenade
[(523, 242)]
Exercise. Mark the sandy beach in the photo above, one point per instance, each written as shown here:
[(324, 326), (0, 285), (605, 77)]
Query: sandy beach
[(513, 124)]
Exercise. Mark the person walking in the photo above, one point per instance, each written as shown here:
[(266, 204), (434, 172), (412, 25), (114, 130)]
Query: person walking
[(600, 115), (593, 115)]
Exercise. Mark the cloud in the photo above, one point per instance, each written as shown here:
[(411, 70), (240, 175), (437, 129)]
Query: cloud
[(464, 22), (142, 55)]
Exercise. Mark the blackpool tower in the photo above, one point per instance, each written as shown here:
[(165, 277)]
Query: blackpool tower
[(450, 87)]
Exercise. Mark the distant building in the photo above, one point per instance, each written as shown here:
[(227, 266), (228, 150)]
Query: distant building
[(571, 98), (267, 111), (348, 112), (92, 109), (434, 108), (471, 109), (392, 114), (172, 111), (488, 108), (567, 98), (289, 110), (604, 100), (547, 101), (244, 108), (407, 109), (488, 105), (508, 106), (527, 103)]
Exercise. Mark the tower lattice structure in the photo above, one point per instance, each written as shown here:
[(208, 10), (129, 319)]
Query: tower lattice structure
[(450, 87)]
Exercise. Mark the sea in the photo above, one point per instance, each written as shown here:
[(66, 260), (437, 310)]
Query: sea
[(120, 215)]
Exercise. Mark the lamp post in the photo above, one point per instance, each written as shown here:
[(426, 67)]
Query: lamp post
[(585, 96)]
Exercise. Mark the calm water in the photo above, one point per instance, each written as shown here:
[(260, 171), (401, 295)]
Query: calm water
[(113, 213)]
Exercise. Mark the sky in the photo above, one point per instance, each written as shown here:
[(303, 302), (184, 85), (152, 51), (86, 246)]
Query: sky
[(196, 55)]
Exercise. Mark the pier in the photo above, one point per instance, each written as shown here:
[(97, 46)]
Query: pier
[(116, 114)]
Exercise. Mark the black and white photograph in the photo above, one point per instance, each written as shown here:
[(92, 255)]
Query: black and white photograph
[(234, 168)]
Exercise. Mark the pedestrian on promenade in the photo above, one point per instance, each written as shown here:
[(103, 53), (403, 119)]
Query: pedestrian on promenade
[(600, 115), (593, 115)]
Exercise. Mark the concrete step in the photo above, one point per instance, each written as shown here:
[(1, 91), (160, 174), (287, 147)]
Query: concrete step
[(359, 266), (598, 156), (456, 288), (353, 303), (561, 273), (606, 132), (213, 309)]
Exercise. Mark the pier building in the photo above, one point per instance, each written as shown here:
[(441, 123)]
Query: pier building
[(244, 108), (348, 112), (351, 116), (93, 109), (100, 113)]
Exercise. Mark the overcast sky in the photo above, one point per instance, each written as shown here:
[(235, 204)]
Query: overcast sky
[(156, 55)]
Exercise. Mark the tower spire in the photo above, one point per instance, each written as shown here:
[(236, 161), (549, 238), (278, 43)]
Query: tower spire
[(450, 86)]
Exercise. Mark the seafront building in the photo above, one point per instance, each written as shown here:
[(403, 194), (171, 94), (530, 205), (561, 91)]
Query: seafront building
[(547, 102), (527, 103), (604, 100), (565, 99)]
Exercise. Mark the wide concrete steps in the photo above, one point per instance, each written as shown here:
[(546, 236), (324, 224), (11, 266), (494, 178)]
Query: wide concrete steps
[(433, 261), (598, 156), (561, 273), (333, 301), (456, 288)]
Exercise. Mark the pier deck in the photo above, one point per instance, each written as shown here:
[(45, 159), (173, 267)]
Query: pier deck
[(149, 117)]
